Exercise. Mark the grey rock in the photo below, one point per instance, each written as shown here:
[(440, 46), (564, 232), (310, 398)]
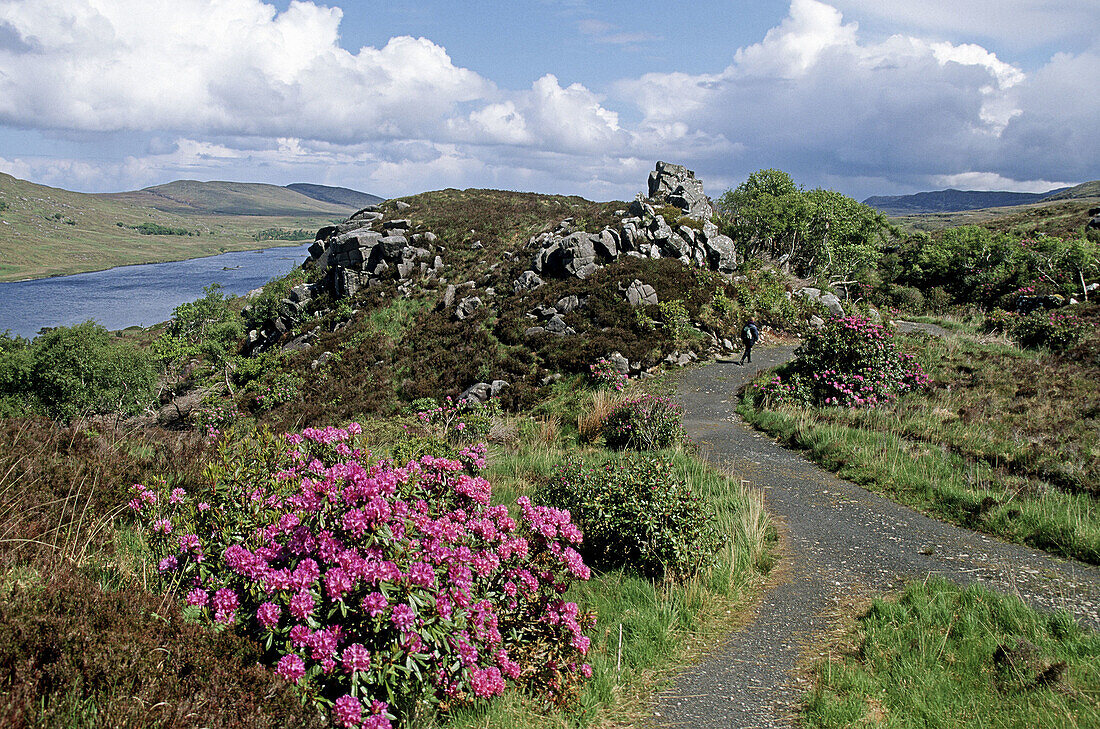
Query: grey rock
[(321, 361), (832, 303), (621, 363), (497, 386), (817, 322), (721, 253), (558, 327), (478, 392), (466, 307), (534, 331), (402, 205), (640, 294), (671, 184), (607, 245), (567, 304)]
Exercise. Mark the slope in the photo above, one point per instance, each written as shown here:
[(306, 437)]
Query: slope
[(47, 231)]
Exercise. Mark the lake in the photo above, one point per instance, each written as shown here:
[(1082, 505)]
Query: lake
[(143, 294)]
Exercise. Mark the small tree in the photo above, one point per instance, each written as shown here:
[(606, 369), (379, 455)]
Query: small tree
[(82, 369)]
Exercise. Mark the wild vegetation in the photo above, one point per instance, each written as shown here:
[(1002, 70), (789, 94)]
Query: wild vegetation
[(944, 656), (327, 507)]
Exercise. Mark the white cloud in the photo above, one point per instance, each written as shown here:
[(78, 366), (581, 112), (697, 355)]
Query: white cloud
[(816, 98), (1017, 23), (219, 67), (994, 181)]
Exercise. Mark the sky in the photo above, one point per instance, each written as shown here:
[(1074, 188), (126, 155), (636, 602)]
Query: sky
[(868, 97)]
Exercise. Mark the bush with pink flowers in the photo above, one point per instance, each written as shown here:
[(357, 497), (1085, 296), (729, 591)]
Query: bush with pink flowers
[(380, 589), (852, 362)]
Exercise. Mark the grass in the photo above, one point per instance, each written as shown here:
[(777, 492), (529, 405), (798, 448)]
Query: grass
[(938, 655), (50, 232), (1003, 442)]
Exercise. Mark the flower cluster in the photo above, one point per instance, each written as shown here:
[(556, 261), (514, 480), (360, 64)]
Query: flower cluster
[(645, 423), (604, 374), (212, 418), (375, 586)]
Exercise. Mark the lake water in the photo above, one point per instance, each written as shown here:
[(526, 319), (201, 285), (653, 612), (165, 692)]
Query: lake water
[(144, 294)]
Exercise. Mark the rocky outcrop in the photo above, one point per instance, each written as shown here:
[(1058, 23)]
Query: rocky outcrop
[(1094, 218), (671, 184), (642, 233)]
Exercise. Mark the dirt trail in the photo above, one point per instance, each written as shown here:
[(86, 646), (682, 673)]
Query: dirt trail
[(838, 540)]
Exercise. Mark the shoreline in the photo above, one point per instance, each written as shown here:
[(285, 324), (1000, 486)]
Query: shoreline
[(268, 244)]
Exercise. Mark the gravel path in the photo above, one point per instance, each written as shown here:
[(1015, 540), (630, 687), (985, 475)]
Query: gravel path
[(838, 540)]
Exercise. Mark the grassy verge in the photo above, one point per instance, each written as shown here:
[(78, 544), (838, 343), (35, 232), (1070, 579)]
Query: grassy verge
[(942, 656), (1003, 442)]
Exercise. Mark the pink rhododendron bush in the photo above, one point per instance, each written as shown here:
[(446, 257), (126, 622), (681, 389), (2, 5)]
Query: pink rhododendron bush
[(852, 362), (379, 589)]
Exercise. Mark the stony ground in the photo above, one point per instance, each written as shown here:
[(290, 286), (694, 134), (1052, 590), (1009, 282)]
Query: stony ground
[(838, 541)]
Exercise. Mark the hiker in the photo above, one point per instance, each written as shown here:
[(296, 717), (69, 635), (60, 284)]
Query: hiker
[(750, 335)]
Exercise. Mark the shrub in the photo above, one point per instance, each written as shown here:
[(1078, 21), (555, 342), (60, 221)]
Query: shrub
[(1052, 329), (280, 389), (604, 374), (775, 391), (82, 369), (465, 421), (376, 588), (853, 362), (635, 514), (675, 317), (644, 423)]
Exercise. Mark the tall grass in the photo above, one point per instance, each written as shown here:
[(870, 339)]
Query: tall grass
[(943, 656)]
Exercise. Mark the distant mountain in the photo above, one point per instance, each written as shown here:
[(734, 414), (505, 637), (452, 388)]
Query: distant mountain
[(336, 195), (190, 197), (953, 201)]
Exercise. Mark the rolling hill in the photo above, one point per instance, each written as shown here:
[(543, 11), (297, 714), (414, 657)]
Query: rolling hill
[(47, 231), (1059, 212), (336, 195)]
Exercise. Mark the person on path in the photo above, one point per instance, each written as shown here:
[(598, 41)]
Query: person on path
[(750, 335)]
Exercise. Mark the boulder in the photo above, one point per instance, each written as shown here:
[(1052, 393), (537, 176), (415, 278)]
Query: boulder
[(640, 294), (567, 304), (466, 307), (527, 281), (619, 362), (478, 392), (721, 253)]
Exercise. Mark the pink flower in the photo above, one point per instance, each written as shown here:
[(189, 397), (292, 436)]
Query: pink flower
[(375, 604), (198, 597), (302, 604), (226, 603), (268, 614), (356, 658), (403, 617), (291, 667), (348, 711)]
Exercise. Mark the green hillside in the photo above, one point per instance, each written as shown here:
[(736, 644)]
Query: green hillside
[(186, 197), (46, 231)]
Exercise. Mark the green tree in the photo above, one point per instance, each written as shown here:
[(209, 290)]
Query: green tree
[(206, 327), (844, 236), (765, 214), (83, 370)]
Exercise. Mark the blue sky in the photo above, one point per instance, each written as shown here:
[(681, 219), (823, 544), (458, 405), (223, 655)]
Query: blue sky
[(566, 96)]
